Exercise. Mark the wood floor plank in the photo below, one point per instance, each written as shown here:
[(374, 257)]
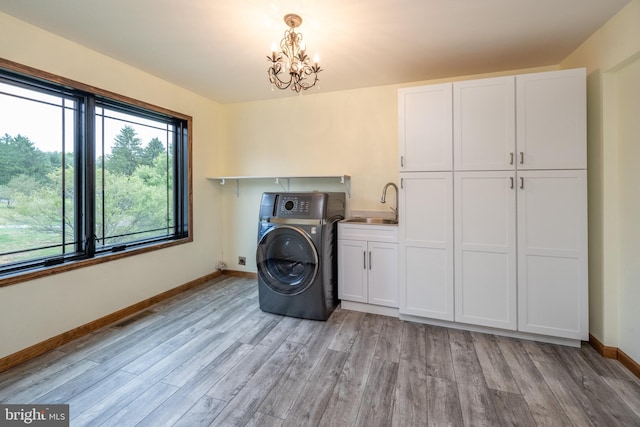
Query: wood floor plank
[(280, 332), (229, 386), (346, 335), (443, 403), (475, 400), (307, 329), (388, 347), (155, 353), (543, 405), (228, 317), (573, 401), (143, 405), (199, 415), (106, 407), (602, 398), (246, 403), (512, 409), (262, 420), (411, 403), (378, 395), (199, 361), (81, 401), (259, 330), (438, 353), (35, 391), (291, 384), (312, 401), (33, 373), (495, 369), (77, 385), (180, 404), (342, 409), (628, 391)]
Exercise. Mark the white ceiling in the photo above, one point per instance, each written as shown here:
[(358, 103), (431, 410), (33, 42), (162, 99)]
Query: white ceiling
[(218, 48)]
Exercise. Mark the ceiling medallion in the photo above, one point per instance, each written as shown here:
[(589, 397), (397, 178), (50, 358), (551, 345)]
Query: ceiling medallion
[(292, 59)]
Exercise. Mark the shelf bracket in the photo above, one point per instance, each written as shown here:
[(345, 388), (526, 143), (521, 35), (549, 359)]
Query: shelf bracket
[(223, 181), (288, 187), (347, 184)]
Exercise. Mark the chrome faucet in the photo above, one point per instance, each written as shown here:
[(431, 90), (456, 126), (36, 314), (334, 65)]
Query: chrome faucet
[(384, 196)]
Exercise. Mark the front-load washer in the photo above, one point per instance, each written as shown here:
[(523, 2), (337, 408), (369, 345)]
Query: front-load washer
[(297, 253)]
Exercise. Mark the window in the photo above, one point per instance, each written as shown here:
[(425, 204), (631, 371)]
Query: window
[(84, 175)]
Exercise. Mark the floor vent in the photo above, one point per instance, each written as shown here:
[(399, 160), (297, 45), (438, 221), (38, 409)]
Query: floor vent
[(133, 318)]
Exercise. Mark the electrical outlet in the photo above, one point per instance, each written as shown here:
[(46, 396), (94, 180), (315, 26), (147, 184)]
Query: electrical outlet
[(242, 260)]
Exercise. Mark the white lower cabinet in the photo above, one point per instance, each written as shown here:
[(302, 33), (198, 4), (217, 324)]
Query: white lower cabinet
[(521, 251), (426, 244), (552, 253), (368, 264), (485, 248)]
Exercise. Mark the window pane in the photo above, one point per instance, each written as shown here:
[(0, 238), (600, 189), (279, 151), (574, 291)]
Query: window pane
[(37, 134), (134, 178)]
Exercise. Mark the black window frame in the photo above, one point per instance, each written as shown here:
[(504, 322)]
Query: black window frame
[(88, 97)]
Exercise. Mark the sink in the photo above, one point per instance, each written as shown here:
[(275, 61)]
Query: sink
[(386, 221)]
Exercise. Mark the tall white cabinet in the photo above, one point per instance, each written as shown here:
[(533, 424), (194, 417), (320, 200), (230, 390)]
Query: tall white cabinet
[(516, 221), (426, 201)]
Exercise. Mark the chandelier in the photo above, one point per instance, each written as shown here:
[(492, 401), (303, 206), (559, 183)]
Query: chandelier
[(292, 60)]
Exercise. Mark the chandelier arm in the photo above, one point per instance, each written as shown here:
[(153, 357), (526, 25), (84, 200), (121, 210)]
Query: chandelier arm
[(274, 77)]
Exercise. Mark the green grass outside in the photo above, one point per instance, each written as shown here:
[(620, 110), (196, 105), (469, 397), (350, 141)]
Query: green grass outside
[(13, 239)]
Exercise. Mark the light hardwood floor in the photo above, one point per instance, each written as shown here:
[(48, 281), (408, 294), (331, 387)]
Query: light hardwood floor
[(211, 357)]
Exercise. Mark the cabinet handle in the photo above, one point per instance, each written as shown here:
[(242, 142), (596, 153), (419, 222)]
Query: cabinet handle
[(511, 158), (402, 183), (511, 178), (364, 260), (521, 183), (369, 260), (522, 157), (401, 161)]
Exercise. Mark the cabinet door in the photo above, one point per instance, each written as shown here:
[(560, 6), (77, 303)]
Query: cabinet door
[(424, 127), (383, 274), (484, 136), (552, 253), (551, 120), (352, 270), (426, 244), (485, 249)]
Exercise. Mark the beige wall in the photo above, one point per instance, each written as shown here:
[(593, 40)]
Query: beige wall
[(628, 124), (34, 311), (611, 57)]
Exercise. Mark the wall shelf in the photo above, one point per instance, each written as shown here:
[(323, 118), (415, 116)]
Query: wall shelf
[(281, 180)]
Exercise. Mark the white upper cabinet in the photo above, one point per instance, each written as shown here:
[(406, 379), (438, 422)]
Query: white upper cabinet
[(551, 120), (484, 124), (424, 128)]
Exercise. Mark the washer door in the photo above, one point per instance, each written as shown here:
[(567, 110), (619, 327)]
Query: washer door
[(287, 260)]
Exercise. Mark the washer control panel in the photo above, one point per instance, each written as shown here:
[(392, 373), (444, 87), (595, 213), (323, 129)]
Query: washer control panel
[(294, 205)]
